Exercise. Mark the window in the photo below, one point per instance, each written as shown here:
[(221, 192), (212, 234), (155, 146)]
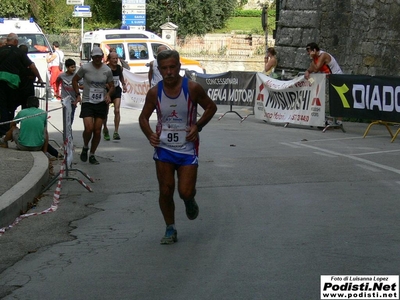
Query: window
[(119, 48), (86, 51), (155, 46), (126, 36), (36, 43), (138, 51)]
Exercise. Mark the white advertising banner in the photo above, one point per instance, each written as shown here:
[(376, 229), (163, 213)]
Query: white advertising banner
[(137, 86), (297, 101)]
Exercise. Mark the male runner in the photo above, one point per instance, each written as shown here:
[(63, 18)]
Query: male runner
[(176, 138)]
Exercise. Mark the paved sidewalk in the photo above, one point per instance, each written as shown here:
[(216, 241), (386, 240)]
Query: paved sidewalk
[(22, 177)]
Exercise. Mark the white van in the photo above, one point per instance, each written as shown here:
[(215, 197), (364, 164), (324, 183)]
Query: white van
[(29, 34), (137, 47)]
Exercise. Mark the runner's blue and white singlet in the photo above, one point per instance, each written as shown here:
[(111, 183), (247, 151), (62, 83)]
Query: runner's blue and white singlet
[(175, 117)]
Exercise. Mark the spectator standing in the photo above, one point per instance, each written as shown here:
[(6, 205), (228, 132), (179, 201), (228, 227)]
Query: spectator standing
[(154, 74), (64, 82), (118, 76), (176, 137), (55, 61), (321, 61), (270, 63), (26, 87), (13, 64), (97, 77)]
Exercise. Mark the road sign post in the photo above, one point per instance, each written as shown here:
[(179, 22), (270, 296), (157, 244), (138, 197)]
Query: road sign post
[(80, 11)]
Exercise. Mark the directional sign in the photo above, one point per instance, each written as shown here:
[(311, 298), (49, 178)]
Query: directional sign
[(134, 22), (134, 12), (133, 6), (133, 1), (82, 8), (82, 14), (69, 2)]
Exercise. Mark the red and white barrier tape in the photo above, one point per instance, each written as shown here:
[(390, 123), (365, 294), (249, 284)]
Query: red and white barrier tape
[(54, 205)]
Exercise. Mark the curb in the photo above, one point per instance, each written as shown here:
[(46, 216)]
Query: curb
[(16, 199)]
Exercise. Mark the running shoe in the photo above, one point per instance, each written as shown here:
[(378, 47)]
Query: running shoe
[(170, 237), (106, 134), (116, 136), (93, 160), (192, 209), (84, 154)]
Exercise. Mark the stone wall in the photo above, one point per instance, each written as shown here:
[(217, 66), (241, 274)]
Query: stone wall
[(214, 65), (220, 53), (363, 35)]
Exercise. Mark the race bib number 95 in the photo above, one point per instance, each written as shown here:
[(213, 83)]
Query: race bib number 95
[(173, 135)]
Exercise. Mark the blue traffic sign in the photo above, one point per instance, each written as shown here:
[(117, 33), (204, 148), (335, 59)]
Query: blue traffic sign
[(134, 22), (82, 8)]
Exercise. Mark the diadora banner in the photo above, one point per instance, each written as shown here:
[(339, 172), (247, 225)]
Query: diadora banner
[(229, 88), (366, 97), (297, 101)]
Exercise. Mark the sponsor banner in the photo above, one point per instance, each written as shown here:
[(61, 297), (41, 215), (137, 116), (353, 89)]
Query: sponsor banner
[(137, 86), (365, 97), (359, 287), (297, 101), (229, 88)]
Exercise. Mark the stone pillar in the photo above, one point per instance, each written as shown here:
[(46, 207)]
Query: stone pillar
[(169, 33)]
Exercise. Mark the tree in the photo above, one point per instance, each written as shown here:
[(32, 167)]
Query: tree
[(53, 16), (194, 17), (13, 9)]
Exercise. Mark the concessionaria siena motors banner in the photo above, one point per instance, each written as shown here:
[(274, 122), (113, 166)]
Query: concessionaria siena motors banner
[(229, 88), (365, 97)]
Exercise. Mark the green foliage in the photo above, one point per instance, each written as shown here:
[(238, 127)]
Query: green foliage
[(248, 25), (108, 12), (247, 13), (13, 9), (195, 17)]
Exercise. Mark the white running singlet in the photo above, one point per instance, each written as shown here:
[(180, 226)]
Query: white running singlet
[(175, 117)]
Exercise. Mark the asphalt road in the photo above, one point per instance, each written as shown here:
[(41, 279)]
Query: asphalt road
[(279, 207)]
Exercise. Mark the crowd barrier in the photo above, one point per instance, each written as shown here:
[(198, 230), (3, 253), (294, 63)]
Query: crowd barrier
[(65, 168), (375, 98), (64, 173), (297, 101)]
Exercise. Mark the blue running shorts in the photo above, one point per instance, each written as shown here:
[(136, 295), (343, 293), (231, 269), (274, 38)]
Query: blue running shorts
[(175, 158)]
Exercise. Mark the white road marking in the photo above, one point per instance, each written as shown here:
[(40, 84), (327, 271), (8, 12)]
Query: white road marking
[(352, 157), (372, 169), (325, 154), (291, 145)]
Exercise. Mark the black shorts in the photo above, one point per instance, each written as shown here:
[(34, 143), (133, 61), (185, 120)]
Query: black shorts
[(98, 110), (117, 93)]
